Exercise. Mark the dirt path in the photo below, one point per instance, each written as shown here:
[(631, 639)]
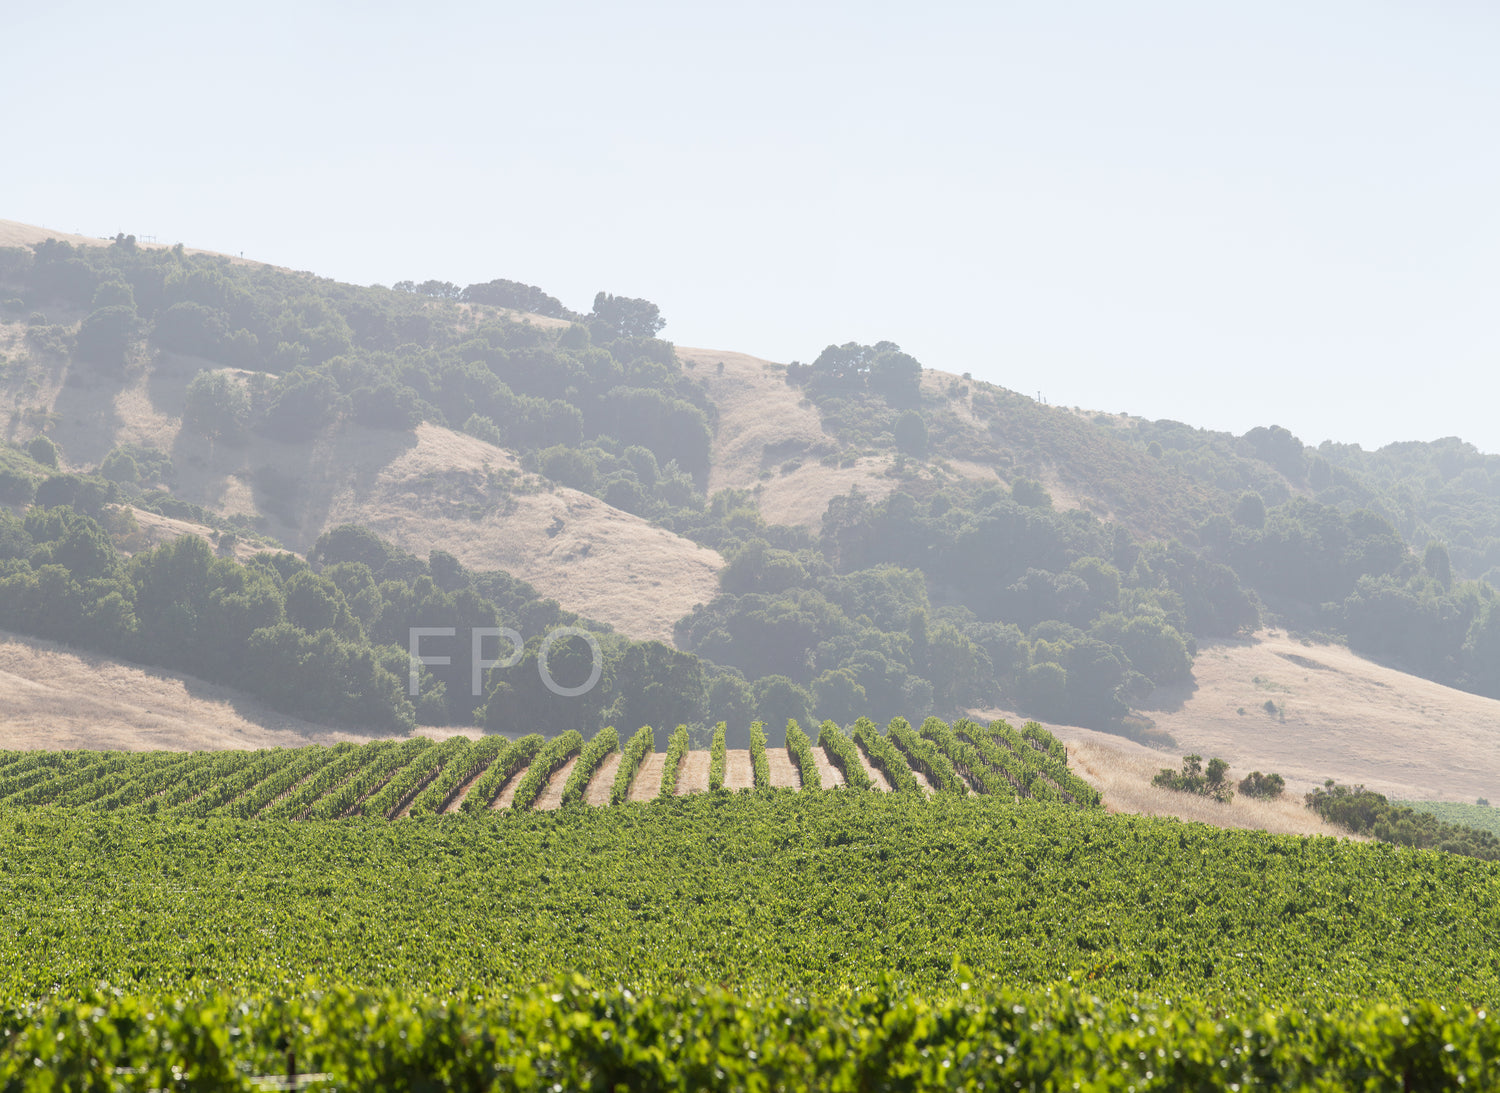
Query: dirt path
[(881, 782), (551, 797), (922, 783), (693, 777), (463, 791), (647, 782), (739, 772), (831, 775), (403, 808), (508, 794), (783, 770), (603, 782)]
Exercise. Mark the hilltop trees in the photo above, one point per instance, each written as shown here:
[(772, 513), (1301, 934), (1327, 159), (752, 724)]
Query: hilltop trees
[(881, 370), (514, 294), (626, 317)]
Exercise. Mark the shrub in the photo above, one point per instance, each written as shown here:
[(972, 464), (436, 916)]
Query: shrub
[(43, 451), (1265, 786), (1194, 779), (16, 488), (120, 466)]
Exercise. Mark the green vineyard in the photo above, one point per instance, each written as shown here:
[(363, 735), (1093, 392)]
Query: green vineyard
[(419, 777), (757, 941), (953, 910)]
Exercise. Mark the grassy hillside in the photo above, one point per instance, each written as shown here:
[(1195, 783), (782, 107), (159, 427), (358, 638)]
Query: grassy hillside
[(859, 532)]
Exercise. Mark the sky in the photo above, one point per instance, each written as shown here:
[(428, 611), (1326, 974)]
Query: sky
[(1226, 214)]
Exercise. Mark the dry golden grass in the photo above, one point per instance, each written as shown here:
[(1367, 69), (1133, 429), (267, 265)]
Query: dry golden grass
[(56, 698), (1124, 778), (15, 234), (594, 559), (764, 423), (1342, 716), (430, 491), (1345, 718), (692, 776), (783, 772), (157, 529)]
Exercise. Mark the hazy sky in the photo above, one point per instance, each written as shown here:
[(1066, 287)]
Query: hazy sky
[(1231, 215)]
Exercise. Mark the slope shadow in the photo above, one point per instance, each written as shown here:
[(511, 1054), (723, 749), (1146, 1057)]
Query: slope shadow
[(86, 417)]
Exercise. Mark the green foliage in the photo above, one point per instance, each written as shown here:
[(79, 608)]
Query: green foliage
[(758, 761), (547, 762), (923, 756), (677, 749), (840, 892), (105, 336), (1031, 494), (843, 753), (910, 432), (458, 770), (625, 317), (1193, 778), (853, 370), (512, 758), (514, 295), (217, 407), (403, 786), (605, 743), (885, 756), (1366, 812), (717, 758), (42, 450), (1263, 786), (633, 755), (1480, 816), (799, 750)]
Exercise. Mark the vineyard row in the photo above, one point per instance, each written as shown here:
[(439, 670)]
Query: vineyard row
[(418, 777)]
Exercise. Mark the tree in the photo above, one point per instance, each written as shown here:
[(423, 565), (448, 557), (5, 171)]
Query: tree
[(777, 701), (911, 433), (660, 687), (1030, 493), (1278, 447), (1437, 564), (105, 335), (41, 449), (627, 317), (1250, 511), (120, 466), (217, 406)]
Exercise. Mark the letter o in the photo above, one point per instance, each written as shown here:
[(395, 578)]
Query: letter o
[(546, 648)]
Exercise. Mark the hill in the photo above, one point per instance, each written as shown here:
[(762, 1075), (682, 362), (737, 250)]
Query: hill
[(57, 698), (815, 539)]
